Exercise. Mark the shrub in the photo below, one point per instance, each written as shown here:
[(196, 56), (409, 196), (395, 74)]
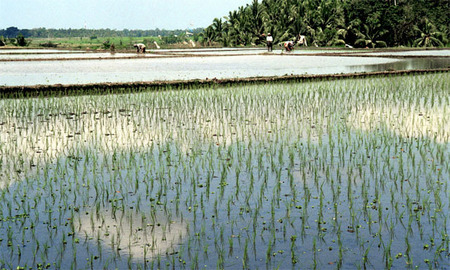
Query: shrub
[(106, 44), (49, 45), (20, 39)]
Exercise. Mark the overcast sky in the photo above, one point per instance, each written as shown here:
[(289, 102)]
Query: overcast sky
[(114, 14)]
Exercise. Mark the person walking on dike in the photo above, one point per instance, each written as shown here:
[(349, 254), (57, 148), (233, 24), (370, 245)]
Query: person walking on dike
[(139, 47), (269, 41)]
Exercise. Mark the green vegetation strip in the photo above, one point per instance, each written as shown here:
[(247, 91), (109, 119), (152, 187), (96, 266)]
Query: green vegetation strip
[(127, 87)]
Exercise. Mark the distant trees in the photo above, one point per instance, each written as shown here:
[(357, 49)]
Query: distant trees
[(361, 23), (18, 37), (12, 32)]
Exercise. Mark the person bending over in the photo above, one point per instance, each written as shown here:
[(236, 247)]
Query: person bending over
[(140, 47), (289, 46)]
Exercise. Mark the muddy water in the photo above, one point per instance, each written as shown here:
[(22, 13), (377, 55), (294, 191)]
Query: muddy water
[(151, 69), (404, 64), (83, 55), (31, 51), (445, 53)]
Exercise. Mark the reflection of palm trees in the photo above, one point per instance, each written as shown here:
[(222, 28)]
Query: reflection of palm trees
[(429, 35)]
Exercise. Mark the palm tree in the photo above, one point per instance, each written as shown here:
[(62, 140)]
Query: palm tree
[(298, 26), (429, 35), (208, 35), (217, 27), (370, 37), (331, 22), (343, 31), (256, 22)]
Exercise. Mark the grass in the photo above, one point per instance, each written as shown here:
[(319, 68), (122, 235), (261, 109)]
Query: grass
[(321, 173), (98, 43)]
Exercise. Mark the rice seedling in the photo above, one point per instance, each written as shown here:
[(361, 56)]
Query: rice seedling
[(230, 176)]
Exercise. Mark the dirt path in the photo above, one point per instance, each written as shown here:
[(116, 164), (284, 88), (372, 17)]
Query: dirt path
[(111, 88)]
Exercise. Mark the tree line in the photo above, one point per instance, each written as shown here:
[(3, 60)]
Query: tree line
[(359, 23), (13, 32)]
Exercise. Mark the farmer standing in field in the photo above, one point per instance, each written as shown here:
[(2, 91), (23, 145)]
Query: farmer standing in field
[(140, 47), (269, 41)]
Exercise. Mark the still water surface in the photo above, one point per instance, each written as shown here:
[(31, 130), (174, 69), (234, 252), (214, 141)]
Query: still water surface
[(24, 73)]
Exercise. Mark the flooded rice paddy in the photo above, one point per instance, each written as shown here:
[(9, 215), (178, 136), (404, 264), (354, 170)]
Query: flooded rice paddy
[(167, 65), (276, 50), (183, 68), (34, 51), (423, 53), (73, 55), (340, 174)]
